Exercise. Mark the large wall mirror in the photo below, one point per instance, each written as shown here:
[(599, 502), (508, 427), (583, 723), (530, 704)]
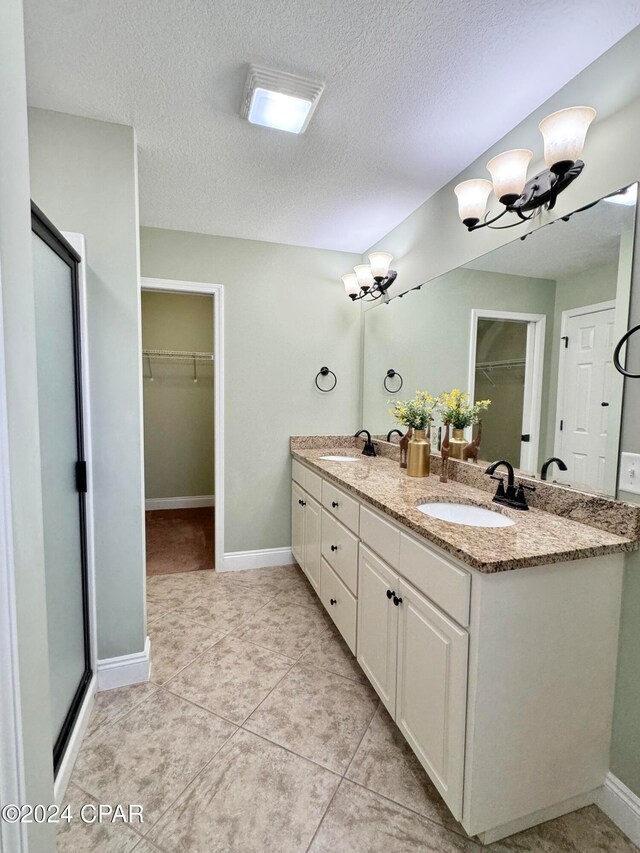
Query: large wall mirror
[(530, 326)]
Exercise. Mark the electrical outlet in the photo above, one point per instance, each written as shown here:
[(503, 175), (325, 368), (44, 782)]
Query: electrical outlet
[(630, 473)]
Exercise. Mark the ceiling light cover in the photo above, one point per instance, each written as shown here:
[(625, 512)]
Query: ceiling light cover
[(472, 198), (509, 173), (380, 263), (564, 133), (279, 100), (351, 284)]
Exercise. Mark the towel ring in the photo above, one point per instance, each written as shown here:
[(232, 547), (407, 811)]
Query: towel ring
[(324, 371), (616, 354), (391, 374)]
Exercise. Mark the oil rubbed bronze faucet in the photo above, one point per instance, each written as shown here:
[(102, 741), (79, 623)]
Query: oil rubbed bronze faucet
[(513, 496), (393, 432), (369, 449), (545, 467)]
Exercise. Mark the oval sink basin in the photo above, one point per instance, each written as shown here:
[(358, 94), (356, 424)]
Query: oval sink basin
[(473, 516), (340, 458)]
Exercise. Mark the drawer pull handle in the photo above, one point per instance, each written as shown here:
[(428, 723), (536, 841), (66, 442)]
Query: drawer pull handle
[(390, 593), (332, 601), (397, 600), (334, 547), (334, 504)]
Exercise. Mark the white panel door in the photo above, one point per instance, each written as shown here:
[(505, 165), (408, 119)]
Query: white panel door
[(312, 516), (584, 404), (378, 625), (297, 523), (432, 692)]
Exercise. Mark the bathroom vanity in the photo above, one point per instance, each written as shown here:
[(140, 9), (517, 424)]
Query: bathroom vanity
[(493, 648)]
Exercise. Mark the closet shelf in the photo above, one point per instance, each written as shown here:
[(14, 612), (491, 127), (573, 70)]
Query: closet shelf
[(177, 355)]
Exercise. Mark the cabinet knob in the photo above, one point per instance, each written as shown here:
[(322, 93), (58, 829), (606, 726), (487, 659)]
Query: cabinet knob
[(397, 600), (390, 593), (334, 504), (303, 503), (334, 547), (332, 601)]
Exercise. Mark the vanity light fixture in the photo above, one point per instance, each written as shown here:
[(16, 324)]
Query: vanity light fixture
[(564, 134), (370, 280), (279, 100)]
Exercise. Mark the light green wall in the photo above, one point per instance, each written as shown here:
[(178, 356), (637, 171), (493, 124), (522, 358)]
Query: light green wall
[(18, 330), (432, 354), (178, 412), (432, 241), (83, 176), (286, 316)]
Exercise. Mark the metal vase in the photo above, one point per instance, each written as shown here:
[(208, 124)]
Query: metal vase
[(419, 455)]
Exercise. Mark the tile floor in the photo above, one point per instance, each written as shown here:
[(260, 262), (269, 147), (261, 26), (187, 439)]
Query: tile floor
[(259, 732)]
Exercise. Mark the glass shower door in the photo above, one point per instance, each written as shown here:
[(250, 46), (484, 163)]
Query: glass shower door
[(63, 475)]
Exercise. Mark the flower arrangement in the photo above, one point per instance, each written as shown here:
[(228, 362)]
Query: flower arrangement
[(457, 411), (416, 413)]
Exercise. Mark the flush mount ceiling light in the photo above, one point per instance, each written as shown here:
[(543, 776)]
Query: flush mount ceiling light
[(279, 100), (564, 133), (371, 280)]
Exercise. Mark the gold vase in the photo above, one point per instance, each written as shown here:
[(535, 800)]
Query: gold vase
[(419, 455), (457, 444)]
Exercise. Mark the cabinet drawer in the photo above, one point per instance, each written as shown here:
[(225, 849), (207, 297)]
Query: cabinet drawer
[(381, 536), (340, 550), (441, 581), (340, 604), (342, 506), (310, 482)]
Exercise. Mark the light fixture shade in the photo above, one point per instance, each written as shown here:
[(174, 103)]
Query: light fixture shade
[(351, 284), (364, 276), (472, 199), (380, 262), (509, 173), (564, 133)]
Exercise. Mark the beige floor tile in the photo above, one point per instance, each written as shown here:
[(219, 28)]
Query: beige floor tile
[(330, 652), (254, 797), (359, 821), (176, 639), (284, 627), (145, 846), (231, 678), (109, 705), (584, 831), (317, 714), (222, 607), (171, 590), (79, 837), (155, 609), (150, 755), (386, 764)]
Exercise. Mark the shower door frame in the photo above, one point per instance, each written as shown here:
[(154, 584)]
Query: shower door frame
[(70, 247)]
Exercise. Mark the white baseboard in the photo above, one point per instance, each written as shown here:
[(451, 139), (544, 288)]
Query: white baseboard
[(621, 805), (189, 502), (75, 742), (265, 558), (125, 670)]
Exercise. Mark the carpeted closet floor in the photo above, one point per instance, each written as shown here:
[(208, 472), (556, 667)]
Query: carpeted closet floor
[(179, 540)]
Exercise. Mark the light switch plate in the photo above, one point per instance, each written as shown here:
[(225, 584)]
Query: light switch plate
[(630, 473)]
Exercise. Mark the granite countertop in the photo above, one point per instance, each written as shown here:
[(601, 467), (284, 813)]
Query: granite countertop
[(536, 538)]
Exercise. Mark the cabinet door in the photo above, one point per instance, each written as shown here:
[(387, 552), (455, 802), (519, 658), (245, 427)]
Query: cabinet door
[(297, 523), (312, 514), (378, 625), (432, 692)]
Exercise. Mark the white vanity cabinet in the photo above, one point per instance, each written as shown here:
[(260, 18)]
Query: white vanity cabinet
[(502, 683)]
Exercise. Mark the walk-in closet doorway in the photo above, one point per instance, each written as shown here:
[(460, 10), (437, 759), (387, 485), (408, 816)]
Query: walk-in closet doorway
[(182, 376)]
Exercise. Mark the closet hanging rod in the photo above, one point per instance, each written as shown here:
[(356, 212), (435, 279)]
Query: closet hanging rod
[(495, 365), (178, 355)]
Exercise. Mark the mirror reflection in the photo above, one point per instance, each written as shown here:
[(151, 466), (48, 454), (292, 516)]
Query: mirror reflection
[(530, 326)]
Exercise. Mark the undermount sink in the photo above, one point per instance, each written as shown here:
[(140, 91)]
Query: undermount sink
[(472, 516), (340, 458)]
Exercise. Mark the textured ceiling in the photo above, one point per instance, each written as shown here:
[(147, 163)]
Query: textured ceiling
[(415, 91)]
